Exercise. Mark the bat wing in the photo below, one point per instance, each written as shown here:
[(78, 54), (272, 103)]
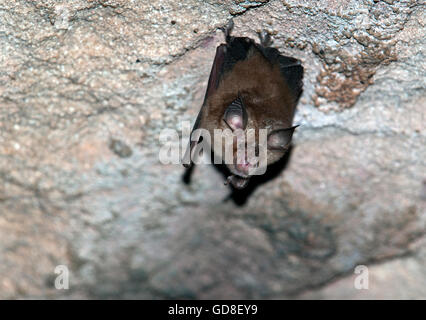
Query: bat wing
[(292, 71), (290, 68), (215, 75)]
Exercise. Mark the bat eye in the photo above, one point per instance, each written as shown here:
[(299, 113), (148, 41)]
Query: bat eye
[(280, 139), (235, 115)]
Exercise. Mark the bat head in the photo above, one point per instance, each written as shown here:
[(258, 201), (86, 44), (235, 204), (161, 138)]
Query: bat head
[(252, 156)]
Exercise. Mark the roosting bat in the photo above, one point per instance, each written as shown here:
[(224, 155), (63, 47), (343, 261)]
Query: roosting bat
[(251, 86)]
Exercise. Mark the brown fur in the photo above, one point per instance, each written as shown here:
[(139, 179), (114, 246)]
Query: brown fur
[(265, 94), (263, 89)]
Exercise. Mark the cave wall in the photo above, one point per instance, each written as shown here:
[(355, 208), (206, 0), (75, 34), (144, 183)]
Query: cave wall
[(86, 87)]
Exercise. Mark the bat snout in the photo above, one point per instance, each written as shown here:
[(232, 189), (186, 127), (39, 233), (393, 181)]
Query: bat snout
[(246, 168), (243, 167)]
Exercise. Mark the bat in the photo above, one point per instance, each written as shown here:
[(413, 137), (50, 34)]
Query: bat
[(251, 86)]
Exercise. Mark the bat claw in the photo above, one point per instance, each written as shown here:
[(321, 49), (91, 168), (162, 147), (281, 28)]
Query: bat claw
[(265, 38), (228, 29)]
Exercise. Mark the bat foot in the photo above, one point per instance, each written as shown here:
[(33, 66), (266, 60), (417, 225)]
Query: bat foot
[(265, 38), (228, 29)]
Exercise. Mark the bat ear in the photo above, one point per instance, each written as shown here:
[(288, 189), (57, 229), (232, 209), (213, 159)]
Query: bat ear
[(236, 115), (280, 139)]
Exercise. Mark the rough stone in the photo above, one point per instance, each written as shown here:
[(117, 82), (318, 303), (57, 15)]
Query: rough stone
[(86, 87)]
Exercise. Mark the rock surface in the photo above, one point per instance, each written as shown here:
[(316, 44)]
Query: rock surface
[(86, 87)]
